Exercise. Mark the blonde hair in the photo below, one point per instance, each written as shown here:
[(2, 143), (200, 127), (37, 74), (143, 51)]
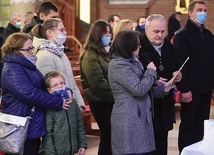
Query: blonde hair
[(121, 25), (39, 30), (51, 75)]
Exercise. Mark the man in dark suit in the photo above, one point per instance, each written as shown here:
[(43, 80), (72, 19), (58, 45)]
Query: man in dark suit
[(13, 26), (174, 24), (141, 22), (162, 53), (196, 42)]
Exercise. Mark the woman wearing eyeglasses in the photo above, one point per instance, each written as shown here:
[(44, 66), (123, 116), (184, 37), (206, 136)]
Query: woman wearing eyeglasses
[(49, 38), (23, 87)]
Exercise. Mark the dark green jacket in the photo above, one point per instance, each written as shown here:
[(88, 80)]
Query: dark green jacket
[(59, 126), (94, 76)]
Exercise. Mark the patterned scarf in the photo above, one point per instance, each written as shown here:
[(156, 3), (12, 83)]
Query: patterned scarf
[(53, 48)]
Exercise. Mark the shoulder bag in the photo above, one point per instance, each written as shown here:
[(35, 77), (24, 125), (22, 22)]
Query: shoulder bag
[(13, 132)]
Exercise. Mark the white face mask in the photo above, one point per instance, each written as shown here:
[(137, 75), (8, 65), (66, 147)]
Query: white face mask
[(60, 40)]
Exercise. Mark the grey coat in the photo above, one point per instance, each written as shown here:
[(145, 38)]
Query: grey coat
[(131, 119)]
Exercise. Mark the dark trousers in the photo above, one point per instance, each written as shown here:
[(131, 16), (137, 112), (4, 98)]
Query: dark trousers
[(31, 147), (161, 142), (192, 115), (102, 113)]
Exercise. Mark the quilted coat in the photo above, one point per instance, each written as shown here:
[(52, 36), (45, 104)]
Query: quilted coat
[(64, 128), (22, 88), (48, 61), (94, 76), (131, 119)]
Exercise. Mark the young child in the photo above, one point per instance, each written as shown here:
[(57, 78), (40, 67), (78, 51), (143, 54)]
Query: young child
[(65, 129)]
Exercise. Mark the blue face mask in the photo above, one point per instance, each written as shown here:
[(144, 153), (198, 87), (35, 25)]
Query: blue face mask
[(106, 40), (142, 27), (62, 92), (18, 24), (201, 17)]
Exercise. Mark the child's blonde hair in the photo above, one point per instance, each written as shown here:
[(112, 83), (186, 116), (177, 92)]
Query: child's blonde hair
[(51, 75)]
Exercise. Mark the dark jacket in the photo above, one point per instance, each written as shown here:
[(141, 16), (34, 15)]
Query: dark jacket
[(138, 28), (173, 26), (64, 127), (94, 76), (10, 29), (22, 88), (34, 21), (164, 107), (198, 45)]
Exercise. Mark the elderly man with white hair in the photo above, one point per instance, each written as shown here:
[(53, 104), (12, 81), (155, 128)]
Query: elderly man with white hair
[(13, 26), (155, 48)]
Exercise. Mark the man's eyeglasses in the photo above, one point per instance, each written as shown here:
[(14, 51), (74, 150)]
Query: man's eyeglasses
[(27, 50), (62, 84)]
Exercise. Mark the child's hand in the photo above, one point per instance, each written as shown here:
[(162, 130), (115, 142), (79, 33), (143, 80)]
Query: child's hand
[(81, 151), (82, 109), (66, 104), (70, 95)]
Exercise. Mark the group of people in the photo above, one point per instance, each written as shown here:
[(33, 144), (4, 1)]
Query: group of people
[(132, 84), (37, 73), (126, 77), (136, 71)]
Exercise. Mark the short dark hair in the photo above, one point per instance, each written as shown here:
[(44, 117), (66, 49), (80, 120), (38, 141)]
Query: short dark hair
[(125, 43), (139, 18), (46, 7), (178, 13), (192, 4), (111, 17)]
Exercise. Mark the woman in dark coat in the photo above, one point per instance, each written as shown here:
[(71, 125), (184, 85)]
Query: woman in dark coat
[(94, 75), (23, 87)]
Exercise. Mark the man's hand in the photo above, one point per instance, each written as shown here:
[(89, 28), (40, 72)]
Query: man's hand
[(186, 97), (178, 77)]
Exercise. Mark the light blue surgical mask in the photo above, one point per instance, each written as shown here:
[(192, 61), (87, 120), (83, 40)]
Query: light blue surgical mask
[(18, 24), (60, 40), (142, 27), (106, 40), (32, 59), (201, 17)]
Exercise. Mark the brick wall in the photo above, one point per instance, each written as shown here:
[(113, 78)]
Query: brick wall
[(101, 10)]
